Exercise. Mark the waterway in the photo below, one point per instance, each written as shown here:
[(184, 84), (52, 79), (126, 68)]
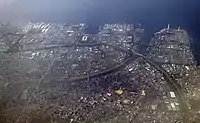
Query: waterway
[(152, 14)]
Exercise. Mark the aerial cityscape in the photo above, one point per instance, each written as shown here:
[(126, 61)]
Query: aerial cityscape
[(59, 73)]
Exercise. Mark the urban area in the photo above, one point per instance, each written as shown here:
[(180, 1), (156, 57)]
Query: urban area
[(58, 73)]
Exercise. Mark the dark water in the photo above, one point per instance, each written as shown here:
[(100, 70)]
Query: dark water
[(153, 14)]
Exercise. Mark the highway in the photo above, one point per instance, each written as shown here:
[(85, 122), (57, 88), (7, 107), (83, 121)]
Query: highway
[(171, 82), (132, 56)]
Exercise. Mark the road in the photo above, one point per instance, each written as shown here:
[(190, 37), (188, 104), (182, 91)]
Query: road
[(171, 82), (133, 55)]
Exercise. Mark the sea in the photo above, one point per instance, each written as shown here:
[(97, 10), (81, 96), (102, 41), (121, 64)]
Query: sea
[(152, 14)]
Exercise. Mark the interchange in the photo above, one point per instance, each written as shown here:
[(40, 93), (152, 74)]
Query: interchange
[(131, 56)]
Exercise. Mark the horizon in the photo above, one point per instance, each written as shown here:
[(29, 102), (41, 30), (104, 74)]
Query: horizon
[(153, 15)]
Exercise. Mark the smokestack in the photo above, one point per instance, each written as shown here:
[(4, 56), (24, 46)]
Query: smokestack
[(179, 28), (168, 26)]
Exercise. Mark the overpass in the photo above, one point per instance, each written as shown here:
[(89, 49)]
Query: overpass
[(131, 56)]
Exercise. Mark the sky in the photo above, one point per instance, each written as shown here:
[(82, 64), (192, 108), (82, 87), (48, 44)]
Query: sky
[(6, 2), (153, 14), (82, 10)]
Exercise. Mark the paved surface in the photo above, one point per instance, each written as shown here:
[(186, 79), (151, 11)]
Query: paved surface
[(61, 74)]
